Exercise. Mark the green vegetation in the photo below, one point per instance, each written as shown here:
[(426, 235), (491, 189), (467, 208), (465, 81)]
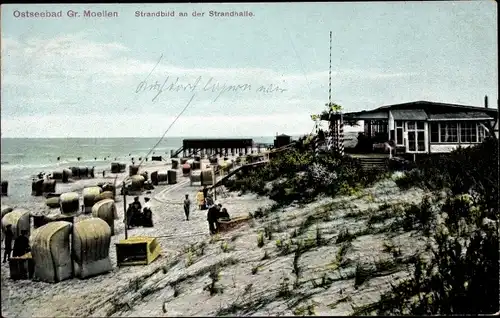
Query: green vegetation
[(214, 276), (260, 239), (461, 274), (299, 175), (224, 246), (305, 310), (344, 236)]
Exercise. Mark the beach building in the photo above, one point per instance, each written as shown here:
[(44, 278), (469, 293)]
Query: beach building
[(282, 140), (424, 127)]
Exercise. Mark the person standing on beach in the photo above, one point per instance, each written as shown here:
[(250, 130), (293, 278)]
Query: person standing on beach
[(212, 219), (9, 235), (209, 201), (205, 192), (187, 206), (200, 199), (137, 204), (147, 214)]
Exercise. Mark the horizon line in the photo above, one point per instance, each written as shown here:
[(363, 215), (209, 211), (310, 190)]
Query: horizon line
[(189, 137)]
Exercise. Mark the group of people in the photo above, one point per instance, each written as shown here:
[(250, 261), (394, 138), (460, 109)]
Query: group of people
[(215, 211), (215, 214), (139, 216), (21, 244), (203, 199)]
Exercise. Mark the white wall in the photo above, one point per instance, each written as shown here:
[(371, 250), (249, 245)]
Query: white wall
[(377, 115), (391, 121), (435, 148)]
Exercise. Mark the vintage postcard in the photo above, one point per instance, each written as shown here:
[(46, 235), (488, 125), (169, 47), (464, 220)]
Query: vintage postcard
[(208, 159)]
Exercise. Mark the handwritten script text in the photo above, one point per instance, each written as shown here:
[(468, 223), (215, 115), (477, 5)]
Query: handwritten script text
[(211, 85)]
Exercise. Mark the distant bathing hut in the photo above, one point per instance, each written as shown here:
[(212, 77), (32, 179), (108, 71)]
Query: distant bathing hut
[(282, 140), (158, 177), (133, 170), (90, 196), (172, 176), (106, 188), (175, 164), (424, 127), (69, 202), (82, 172), (41, 186), (106, 210), (5, 186), (117, 167)]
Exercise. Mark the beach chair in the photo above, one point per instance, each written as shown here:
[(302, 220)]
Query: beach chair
[(22, 267), (137, 250)]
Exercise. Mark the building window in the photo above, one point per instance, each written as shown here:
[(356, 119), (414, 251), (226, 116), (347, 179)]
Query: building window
[(468, 132), (421, 140), (449, 132), (434, 132), (411, 141), (399, 123), (416, 136), (377, 127)]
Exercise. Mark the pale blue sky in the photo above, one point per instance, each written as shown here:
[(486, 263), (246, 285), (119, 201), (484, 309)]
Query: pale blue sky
[(77, 77)]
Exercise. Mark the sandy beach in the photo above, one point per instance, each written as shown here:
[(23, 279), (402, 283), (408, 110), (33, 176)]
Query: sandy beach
[(176, 283), (173, 231)]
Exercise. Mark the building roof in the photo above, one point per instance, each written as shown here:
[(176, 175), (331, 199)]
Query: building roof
[(409, 114), (425, 104), (461, 116), (428, 107)]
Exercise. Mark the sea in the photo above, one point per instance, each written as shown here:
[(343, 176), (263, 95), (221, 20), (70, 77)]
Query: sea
[(23, 158)]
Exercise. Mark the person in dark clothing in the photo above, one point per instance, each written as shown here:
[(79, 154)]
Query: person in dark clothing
[(137, 212), (9, 235), (209, 201), (147, 215), (187, 206), (205, 192), (137, 204), (130, 216), (212, 219), (223, 214), (21, 245)]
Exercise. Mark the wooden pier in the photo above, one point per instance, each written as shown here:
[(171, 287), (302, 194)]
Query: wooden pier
[(214, 147)]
